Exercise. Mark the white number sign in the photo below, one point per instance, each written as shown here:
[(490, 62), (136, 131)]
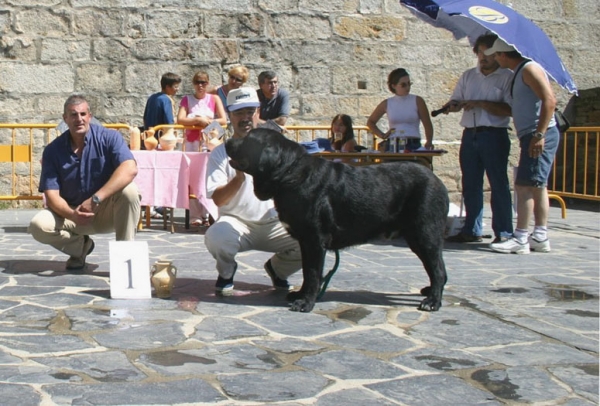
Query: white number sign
[(129, 270)]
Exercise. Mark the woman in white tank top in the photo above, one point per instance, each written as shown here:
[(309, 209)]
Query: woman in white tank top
[(405, 113)]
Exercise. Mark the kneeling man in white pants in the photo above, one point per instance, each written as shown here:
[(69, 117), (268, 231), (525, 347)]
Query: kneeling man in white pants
[(245, 222)]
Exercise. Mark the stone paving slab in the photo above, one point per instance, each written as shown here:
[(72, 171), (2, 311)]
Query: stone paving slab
[(513, 329)]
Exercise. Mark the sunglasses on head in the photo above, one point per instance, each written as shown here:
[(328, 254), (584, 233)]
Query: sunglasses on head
[(201, 82), (240, 80)]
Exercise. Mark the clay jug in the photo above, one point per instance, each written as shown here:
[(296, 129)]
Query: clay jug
[(135, 138), (168, 140), (162, 277), (149, 141)]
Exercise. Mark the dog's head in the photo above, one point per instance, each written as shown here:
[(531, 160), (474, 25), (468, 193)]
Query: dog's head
[(266, 155)]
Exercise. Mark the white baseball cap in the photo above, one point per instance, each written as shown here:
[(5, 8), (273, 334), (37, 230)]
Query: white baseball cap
[(499, 46), (241, 98)]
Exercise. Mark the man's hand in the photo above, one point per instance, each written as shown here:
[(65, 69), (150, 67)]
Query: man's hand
[(81, 215), (536, 147), (453, 106), (471, 104), (87, 206)]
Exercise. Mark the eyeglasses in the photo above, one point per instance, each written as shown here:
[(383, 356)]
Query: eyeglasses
[(234, 78), (201, 82), (405, 84)]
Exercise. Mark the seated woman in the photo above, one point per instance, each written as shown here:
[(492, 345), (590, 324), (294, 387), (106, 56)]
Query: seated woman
[(405, 112), (342, 134)]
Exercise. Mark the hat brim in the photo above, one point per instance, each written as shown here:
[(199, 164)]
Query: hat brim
[(235, 107), (498, 47)]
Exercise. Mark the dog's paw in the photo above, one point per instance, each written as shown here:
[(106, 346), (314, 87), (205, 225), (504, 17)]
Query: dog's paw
[(430, 305), (294, 295), (302, 305)]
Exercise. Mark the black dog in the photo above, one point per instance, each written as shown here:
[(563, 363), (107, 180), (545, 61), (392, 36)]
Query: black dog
[(327, 206)]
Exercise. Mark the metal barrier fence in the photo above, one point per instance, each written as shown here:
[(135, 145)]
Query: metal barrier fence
[(298, 133), (576, 169)]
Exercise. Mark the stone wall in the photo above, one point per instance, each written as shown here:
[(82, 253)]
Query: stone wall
[(332, 56)]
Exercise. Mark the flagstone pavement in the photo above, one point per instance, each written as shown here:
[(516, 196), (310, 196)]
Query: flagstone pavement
[(513, 329)]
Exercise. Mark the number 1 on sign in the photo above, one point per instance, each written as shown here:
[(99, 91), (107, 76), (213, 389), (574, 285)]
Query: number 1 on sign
[(130, 273)]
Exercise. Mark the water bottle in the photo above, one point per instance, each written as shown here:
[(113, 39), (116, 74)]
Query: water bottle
[(402, 145)]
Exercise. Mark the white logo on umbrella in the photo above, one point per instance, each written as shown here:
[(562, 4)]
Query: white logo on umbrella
[(488, 15)]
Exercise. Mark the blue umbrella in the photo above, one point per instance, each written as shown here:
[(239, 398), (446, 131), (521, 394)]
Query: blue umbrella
[(472, 18)]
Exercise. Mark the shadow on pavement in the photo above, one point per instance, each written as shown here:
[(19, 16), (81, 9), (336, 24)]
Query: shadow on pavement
[(44, 268)]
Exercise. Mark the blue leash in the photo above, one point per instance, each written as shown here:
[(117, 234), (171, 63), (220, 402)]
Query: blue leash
[(329, 275)]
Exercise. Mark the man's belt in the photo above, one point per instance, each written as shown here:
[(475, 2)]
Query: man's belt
[(482, 129)]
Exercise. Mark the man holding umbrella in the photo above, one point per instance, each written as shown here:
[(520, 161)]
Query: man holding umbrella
[(483, 94), (533, 116)]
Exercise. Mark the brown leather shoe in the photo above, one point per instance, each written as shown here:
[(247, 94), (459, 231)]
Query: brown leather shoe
[(78, 263), (463, 238)]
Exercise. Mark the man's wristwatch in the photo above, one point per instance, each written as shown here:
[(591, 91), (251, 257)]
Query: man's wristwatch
[(96, 200), (539, 134)]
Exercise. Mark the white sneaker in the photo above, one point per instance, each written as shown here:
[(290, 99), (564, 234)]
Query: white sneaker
[(539, 246), (510, 246)]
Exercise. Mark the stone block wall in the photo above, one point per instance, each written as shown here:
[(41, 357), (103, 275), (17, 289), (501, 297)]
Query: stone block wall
[(332, 56)]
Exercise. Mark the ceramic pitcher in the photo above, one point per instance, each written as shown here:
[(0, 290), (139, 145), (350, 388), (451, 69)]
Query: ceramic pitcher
[(149, 141), (168, 140), (162, 277)]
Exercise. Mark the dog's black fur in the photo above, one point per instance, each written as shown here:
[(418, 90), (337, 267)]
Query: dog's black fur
[(328, 205)]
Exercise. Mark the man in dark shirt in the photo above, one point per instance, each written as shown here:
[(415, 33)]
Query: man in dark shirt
[(87, 181), (160, 107), (274, 102)]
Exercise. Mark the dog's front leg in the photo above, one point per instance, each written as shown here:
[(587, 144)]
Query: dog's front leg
[(313, 259)]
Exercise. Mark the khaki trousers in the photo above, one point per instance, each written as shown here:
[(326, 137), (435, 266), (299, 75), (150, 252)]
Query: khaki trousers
[(229, 235), (119, 213)]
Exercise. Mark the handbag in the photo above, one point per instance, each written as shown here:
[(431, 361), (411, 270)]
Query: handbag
[(562, 123)]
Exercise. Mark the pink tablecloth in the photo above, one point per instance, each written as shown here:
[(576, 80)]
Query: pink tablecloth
[(166, 178)]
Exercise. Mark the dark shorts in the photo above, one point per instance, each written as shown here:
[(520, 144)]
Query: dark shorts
[(535, 171)]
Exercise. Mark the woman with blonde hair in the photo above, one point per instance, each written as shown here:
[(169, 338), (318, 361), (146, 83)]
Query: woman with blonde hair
[(237, 76)]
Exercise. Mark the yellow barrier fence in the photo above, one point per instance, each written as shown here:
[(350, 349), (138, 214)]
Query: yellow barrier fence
[(576, 169), (296, 132)]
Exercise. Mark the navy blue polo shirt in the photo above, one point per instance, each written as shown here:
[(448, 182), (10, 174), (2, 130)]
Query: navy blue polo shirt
[(78, 179)]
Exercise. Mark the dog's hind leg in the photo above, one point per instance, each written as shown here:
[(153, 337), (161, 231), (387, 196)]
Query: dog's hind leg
[(430, 254), (433, 293), (313, 260)]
